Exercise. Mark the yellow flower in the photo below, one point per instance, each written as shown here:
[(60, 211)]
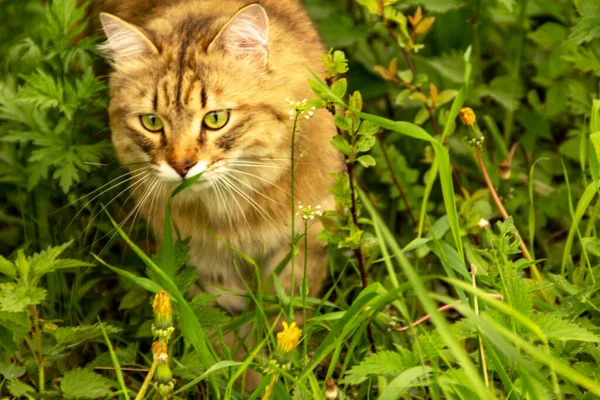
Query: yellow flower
[(467, 116), (162, 310), (288, 338)]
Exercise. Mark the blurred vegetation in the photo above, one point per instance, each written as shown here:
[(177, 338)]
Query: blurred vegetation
[(419, 223)]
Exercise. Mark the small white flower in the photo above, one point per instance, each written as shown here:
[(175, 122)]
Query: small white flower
[(483, 223)]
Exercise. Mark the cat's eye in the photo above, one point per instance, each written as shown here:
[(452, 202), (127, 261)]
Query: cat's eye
[(152, 122), (216, 119)]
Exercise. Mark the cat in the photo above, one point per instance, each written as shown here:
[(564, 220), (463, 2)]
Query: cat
[(200, 86)]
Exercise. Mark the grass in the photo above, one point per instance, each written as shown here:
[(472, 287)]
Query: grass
[(490, 290)]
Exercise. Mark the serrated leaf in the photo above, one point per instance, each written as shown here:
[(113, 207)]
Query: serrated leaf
[(386, 363), (66, 336), (16, 322), (19, 389), (7, 268), (556, 328), (16, 298), (587, 27), (84, 384), (10, 370)]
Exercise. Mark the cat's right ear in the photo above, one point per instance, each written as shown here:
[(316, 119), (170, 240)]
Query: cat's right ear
[(124, 40)]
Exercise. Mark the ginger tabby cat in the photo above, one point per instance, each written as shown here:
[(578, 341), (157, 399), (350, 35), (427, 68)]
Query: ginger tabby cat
[(199, 86)]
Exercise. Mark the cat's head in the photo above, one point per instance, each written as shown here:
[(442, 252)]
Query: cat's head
[(195, 94)]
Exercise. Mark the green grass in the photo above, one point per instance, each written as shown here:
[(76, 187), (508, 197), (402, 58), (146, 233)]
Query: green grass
[(76, 287)]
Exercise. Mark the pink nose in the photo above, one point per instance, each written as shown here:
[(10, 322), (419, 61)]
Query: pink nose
[(182, 167)]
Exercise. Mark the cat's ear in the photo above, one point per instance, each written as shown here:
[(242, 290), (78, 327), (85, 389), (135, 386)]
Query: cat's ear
[(246, 34), (124, 40)]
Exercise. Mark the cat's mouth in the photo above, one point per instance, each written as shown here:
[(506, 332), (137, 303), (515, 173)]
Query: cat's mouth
[(178, 174)]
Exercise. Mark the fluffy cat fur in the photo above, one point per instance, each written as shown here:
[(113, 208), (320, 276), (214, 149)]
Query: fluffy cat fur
[(180, 59)]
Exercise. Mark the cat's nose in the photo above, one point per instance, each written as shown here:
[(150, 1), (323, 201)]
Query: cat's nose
[(182, 167)]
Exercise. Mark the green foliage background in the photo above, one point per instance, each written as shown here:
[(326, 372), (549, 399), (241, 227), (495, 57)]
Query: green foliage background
[(75, 301)]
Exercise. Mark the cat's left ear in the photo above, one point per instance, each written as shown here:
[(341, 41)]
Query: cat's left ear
[(245, 34)]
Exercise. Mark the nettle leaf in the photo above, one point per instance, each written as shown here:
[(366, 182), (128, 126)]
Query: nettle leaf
[(19, 389), (47, 261), (84, 384), (16, 298), (16, 322), (556, 328), (386, 363), (7, 268), (587, 27), (66, 336)]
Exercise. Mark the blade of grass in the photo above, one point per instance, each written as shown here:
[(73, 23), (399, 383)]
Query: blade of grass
[(438, 320), (115, 361)]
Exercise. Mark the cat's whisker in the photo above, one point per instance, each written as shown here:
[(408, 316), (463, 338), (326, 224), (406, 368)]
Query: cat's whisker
[(256, 177), (228, 186), (251, 188), (114, 232), (134, 187), (151, 211), (104, 191), (226, 205), (100, 188), (250, 201)]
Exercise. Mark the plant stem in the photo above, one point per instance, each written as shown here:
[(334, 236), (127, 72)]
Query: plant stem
[(40, 359), (535, 272), (147, 381), (293, 208), (476, 309), (396, 181), (304, 287), (509, 119)]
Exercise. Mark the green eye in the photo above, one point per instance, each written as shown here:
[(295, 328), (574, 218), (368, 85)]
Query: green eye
[(151, 122), (216, 119)]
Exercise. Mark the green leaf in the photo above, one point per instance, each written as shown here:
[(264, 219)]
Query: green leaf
[(404, 381), (19, 389), (556, 328), (16, 298), (368, 128), (587, 27), (341, 122), (366, 161), (7, 268), (342, 145), (66, 336), (386, 363), (422, 116), (16, 322), (445, 96), (592, 244), (340, 87), (133, 298), (365, 143), (84, 384)]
